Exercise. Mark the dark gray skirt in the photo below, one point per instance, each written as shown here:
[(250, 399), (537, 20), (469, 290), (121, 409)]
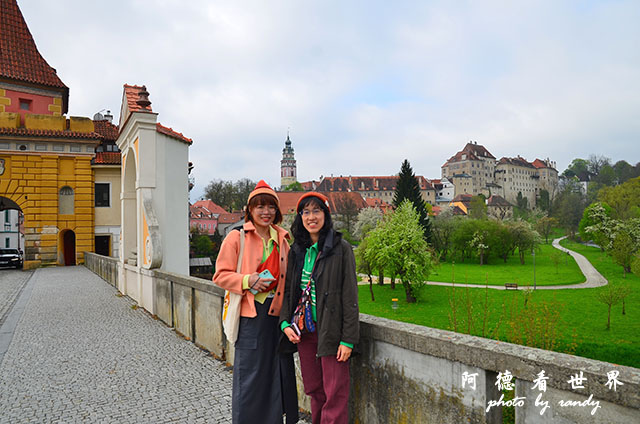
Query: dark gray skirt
[(264, 385)]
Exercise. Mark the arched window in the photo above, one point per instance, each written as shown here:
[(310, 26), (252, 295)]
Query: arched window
[(65, 201)]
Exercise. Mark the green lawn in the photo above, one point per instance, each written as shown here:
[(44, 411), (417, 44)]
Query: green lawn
[(581, 322), (497, 272)]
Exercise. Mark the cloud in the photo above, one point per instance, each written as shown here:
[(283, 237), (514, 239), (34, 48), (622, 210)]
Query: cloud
[(360, 85)]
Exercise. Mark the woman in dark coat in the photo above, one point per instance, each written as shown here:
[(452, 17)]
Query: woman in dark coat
[(321, 259)]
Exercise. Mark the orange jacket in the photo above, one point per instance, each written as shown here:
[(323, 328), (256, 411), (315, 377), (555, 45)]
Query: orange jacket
[(227, 262)]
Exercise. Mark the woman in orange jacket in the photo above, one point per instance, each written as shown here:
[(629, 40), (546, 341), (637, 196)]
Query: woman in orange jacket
[(263, 380)]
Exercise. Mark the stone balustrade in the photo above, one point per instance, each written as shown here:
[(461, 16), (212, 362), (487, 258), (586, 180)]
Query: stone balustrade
[(410, 373)]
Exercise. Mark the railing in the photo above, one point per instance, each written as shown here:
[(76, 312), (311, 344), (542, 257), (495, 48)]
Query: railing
[(411, 373)]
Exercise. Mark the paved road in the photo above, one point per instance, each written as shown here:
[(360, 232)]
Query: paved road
[(80, 353), (11, 283), (591, 274), (593, 277)]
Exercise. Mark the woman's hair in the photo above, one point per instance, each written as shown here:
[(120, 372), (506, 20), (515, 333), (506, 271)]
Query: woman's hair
[(300, 234), (266, 200)]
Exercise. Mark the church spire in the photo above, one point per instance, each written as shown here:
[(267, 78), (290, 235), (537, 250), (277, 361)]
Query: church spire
[(288, 171)]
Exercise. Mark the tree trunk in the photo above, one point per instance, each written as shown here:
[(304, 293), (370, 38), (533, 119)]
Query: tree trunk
[(482, 258), (381, 276), (373, 299), (393, 282), (407, 290), (623, 309), (609, 318)]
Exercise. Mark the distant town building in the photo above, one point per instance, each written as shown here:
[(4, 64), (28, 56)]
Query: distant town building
[(288, 171), (445, 190), (499, 208), (107, 170), (460, 204), (228, 221), (377, 187), (11, 236), (204, 215), (385, 207), (338, 202), (474, 171)]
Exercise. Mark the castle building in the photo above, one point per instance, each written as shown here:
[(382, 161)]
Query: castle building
[(471, 169), (516, 175), (288, 172), (474, 171)]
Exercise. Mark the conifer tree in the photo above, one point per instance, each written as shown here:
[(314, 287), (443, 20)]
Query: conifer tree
[(409, 188)]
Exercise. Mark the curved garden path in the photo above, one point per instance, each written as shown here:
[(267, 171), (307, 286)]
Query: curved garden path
[(593, 277)]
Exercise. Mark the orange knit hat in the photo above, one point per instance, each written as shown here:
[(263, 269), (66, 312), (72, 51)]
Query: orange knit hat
[(324, 199), (263, 188)]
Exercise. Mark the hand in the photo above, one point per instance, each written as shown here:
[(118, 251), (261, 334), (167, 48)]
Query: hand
[(259, 284), (344, 352), (291, 335)]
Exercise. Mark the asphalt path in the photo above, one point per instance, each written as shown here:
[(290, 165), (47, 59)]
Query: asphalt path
[(592, 277)]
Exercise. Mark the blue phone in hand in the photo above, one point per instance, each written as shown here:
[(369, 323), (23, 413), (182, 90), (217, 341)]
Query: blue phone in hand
[(266, 274)]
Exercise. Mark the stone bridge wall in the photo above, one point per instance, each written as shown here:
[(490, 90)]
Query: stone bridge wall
[(410, 373)]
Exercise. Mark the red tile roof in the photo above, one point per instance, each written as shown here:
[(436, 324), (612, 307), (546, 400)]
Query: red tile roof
[(210, 206), (289, 200), (19, 56), (464, 198), (133, 98), (107, 158), (173, 134), (478, 150), (106, 129), (230, 218), (25, 132), (358, 183), (337, 201), (472, 151), (132, 93), (309, 185), (374, 202), (196, 212), (539, 163), (496, 200), (517, 161)]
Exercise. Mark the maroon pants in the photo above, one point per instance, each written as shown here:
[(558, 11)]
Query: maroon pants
[(326, 381)]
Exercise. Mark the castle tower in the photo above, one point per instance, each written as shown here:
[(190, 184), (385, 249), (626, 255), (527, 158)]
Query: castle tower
[(288, 174)]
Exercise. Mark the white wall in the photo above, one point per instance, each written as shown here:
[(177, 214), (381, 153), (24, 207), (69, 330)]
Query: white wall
[(171, 201)]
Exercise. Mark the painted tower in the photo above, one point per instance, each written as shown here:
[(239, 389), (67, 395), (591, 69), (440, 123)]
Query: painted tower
[(288, 173)]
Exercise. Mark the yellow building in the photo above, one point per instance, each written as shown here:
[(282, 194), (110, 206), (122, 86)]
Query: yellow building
[(45, 157)]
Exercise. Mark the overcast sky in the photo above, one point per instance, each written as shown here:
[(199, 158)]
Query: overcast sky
[(361, 85)]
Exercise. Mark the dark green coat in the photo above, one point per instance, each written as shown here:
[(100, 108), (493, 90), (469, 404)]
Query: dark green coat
[(336, 292)]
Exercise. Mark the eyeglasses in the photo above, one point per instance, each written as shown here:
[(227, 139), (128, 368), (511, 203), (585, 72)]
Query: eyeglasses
[(308, 212), (266, 208)]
